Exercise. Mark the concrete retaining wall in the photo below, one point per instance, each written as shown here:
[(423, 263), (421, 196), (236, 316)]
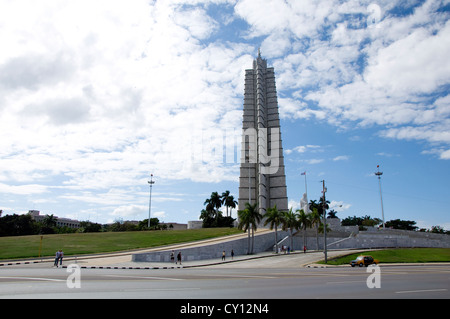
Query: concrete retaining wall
[(380, 239), (339, 240), (263, 242)]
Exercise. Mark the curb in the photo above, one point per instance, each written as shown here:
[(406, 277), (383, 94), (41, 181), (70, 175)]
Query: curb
[(20, 263), (124, 267)]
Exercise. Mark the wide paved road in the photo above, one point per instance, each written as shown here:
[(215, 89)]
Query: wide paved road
[(232, 281)]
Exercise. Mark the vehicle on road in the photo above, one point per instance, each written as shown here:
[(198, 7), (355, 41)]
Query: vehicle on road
[(363, 261)]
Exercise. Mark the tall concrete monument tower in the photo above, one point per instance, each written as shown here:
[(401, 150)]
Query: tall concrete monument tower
[(262, 177)]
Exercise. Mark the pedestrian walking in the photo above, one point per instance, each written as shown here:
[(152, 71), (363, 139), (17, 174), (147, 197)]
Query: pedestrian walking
[(58, 258), (55, 264), (223, 255), (61, 255), (304, 249), (179, 258), (172, 257), (232, 254)]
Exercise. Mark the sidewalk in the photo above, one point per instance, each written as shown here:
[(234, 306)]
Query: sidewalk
[(121, 261), (125, 262), (270, 259), (259, 260)]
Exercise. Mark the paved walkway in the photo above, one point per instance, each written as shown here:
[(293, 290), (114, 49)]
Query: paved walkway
[(260, 260)]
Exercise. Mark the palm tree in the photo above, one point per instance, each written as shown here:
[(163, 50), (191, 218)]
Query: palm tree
[(248, 219), (228, 201), (255, 218), (232, 203), (304, 222), (313, 204), (321, 206), (213, 204), (274, 217), (321, 229), (49, 221), (332, 214), (215, 200), (244, 224), (315, 220), (209, 205), (290, 222)]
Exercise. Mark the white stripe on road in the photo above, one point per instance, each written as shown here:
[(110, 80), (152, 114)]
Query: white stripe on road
[(236, 276), (33, 278), (415, 291), (142, 277), (162, 289)]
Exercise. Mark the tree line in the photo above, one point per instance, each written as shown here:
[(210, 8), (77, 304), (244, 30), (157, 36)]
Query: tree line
[(250, 218), (365, 221), (21, 225)]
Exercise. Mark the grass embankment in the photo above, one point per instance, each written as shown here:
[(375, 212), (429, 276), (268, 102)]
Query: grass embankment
[(401, 255), (89, 243)]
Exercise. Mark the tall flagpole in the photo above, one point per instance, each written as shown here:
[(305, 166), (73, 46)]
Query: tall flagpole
[(306, 186), (306, 193), (378, 173), (151, 182)]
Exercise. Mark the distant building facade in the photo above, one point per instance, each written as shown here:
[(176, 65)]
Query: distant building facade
[(60, 221)]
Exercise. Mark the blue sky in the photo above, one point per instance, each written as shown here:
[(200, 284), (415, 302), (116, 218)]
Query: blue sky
[(96, 96)]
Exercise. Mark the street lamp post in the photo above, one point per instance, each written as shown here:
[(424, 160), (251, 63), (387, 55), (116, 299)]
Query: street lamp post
[(378, 173), (151, 182), (324, 222)]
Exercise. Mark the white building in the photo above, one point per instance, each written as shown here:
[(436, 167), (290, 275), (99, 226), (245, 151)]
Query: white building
[(60, 222)]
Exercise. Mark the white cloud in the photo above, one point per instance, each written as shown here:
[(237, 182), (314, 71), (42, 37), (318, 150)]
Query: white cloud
[(23, 189), (100, 94), (341, 158), (160, 215), (339, 206), (294, 204), (313, 161), (417, 63), (436, 133), (130, 211), (306, 148), (445, 155), (392, 73)]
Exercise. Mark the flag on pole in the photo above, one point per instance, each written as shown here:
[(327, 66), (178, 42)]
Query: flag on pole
[(304, 173)]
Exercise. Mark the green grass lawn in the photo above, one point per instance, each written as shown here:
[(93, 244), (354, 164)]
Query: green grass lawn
[(89, 243), (402, 255)]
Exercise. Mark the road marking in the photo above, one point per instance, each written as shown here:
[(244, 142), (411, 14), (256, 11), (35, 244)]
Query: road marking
[(160, 289), (248, 276), (345, 282), (32, 278), (415, 291), (327, 274), (143, 277), (236, 276)]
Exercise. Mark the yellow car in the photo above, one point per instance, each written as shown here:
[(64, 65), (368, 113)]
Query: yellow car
[(363, 261)]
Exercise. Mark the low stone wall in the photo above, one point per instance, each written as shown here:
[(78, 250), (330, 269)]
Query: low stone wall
[(335, 240), (378, 239), (263, 242)]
